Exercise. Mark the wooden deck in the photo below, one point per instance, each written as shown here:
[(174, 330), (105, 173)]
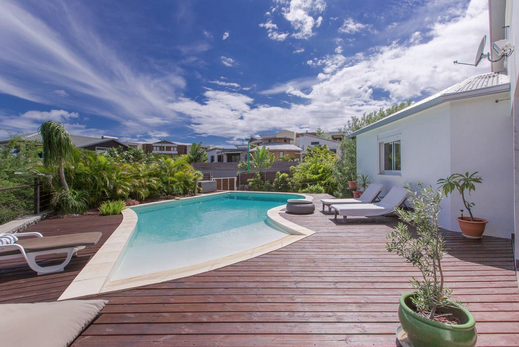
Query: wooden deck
[(338, 287)]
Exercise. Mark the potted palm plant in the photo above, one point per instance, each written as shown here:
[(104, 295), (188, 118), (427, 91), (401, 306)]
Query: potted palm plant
[(363, 182), (427, 316), (471, 227)]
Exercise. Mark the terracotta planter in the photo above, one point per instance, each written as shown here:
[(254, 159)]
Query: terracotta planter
[(357, 194), (472, 229), (352, 185)]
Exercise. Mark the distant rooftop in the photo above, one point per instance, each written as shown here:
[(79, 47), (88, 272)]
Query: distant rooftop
[(480, 85), (79, 141)]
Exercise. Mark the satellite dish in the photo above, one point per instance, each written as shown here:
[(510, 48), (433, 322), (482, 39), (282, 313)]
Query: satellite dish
[(502, 47), (479, 54)]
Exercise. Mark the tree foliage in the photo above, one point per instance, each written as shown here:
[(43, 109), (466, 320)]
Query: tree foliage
[(316, 168), (197, 154), (18, 163), (426, 251), (463, 183), (346, 167), (57, 148)]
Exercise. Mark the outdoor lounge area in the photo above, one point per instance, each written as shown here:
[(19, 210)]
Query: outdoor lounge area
[(337, 287)]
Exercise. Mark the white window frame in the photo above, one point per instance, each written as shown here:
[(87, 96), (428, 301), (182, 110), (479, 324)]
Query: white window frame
[(392, 137)]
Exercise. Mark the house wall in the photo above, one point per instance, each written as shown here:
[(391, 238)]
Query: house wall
[(513, 72), (305, 141), (294, 154), (425, 140), (481, 140)]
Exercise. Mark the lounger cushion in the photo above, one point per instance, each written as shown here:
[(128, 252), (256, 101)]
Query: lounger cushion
[(47, 243), (48, 324), (368, 196)]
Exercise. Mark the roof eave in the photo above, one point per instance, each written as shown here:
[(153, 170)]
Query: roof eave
[(502, 88)]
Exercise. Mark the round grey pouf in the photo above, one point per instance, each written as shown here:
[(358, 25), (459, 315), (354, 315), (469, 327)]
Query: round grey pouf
[(296, 206), (299, 201)]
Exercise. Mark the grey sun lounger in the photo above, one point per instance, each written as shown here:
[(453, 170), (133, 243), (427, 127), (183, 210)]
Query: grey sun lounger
[(394, 198), (371, 193), (30, 248)]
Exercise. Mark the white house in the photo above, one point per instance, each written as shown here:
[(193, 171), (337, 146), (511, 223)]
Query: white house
[(504, 24), (466, 127), (306, 141)]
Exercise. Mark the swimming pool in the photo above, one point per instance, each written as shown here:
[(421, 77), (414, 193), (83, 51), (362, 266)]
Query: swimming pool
[(183, 233)]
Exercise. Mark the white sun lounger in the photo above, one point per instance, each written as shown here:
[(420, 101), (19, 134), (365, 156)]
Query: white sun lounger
[(394, 198), (367, 197), (39, 245)]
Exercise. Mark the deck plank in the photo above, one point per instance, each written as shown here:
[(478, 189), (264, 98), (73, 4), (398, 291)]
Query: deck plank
[(338, 287)]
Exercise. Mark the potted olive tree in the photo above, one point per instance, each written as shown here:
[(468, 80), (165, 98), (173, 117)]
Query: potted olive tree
[(427, 316), (471, 227), (363, 183)]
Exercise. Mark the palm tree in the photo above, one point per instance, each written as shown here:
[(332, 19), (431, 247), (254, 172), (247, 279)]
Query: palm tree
[(58, 148), (197, 154), (262, 159)]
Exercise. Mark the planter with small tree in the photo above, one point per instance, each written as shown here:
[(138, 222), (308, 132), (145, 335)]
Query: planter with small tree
[(427, 316), (471, 227)]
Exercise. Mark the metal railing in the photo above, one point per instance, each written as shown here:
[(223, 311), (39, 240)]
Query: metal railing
[(41, 198)]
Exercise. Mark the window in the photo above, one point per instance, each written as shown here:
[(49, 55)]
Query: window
[(281, 154), (390, 157), (314, 143), (212, 159)]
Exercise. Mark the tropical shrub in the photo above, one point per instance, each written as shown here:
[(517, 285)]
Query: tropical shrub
[(257, 184), (17, 170), (109, 208), (70, 202), (315, 169), (282, 183), (345, 168), (197, 154), (425, 252), (314, 189), (129, 156)]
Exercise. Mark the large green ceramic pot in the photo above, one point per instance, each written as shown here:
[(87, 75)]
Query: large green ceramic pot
[(423, 332)]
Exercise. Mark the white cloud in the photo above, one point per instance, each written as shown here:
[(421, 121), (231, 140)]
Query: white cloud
[(346, 86), (226, 84), (30, 121), (225, 35), (42, 58), (338, 50), (61, 92), (350, 26), (299, 50), (301, 15), (208, 34), (229, 62), (272, 32)]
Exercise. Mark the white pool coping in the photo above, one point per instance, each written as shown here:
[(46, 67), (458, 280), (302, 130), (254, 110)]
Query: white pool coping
[(95, 276)]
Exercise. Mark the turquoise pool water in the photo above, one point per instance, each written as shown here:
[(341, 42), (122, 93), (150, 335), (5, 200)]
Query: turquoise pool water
[(181, 233)]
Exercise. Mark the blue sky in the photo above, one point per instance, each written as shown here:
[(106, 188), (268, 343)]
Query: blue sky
[(218, 71)]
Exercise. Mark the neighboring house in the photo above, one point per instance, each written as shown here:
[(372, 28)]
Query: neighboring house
[(306, 141), (98, 144), (281, 144), (466, 127), (227, 154), (281, 150), (166, 148)]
